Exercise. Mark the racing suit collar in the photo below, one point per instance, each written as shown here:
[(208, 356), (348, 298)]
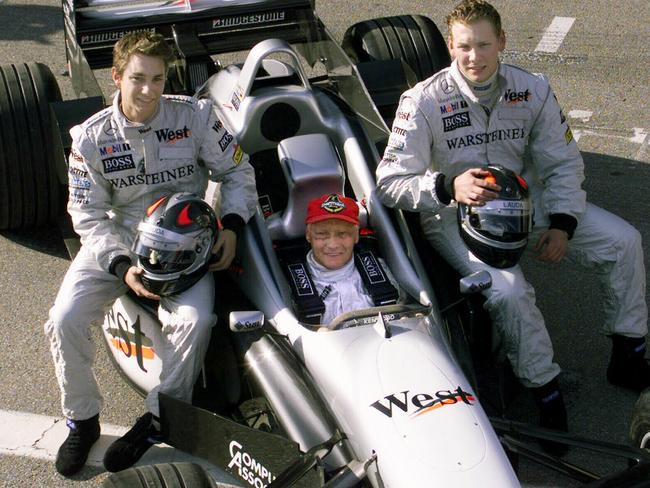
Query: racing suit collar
[(142, 128), (464, 87), (330, 275)]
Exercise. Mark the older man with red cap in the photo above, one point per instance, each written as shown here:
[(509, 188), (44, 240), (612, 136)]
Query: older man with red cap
[(333, 231)]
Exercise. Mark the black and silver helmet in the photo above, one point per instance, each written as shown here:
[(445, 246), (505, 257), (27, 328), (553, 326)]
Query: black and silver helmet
[(497, 232), (174, 243)]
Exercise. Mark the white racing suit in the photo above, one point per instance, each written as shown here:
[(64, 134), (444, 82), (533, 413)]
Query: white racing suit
[(342, 290), (441, 129), (116, 170)]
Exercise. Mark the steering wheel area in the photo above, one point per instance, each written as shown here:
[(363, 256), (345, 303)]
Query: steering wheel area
[(369, 316)]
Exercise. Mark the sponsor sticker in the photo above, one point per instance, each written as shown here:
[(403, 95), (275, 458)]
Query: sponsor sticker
[(403, 116), (456, 121), (109, 130), (265, 205), (236, 157), (568, 135), (396, 142), (452, 107), (511, 96), (417, 404), (173, 135), (128, 338), (446, 87), (158, 178), (74, 171), (485, 138), (301, 279), (111, 36), (390, 158), (225, 141), (238, 20), (114, 149), (118, 163), (243, 464), (372, 268), (235, 101), (333, 204), (74, 154)]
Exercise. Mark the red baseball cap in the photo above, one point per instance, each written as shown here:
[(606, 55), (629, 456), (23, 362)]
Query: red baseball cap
[(332, 206)]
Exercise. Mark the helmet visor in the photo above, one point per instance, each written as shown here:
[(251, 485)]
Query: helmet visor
[(159, 256), (503, 218)]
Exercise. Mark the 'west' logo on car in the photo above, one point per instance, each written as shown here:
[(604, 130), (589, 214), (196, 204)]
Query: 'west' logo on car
[(421, 403)]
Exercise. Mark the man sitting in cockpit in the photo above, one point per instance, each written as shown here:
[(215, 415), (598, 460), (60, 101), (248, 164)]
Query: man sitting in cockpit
[(335, 278)]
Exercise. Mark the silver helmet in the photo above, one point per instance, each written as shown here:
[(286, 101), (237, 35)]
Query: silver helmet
[(497, 232), (174, 243)]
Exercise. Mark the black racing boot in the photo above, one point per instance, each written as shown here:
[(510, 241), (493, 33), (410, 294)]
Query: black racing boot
[(73, 453), (552, 414), (628, 367), (125, 452)]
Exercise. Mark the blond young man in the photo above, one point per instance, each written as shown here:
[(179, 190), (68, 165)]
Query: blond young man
[(480, 111)]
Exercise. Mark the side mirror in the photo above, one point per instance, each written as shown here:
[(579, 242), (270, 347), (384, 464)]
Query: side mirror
[(245, 321), (476, 282)]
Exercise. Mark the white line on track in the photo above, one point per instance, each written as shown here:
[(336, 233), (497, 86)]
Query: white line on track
[(39, 437), (641, 136), (555, 34), (583, 115)]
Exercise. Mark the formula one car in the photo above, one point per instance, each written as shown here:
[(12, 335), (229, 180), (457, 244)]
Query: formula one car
[(382, 397)]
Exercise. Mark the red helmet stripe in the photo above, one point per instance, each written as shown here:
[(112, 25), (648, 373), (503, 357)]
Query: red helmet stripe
[(522, 182), (184, 216), (152, 208)]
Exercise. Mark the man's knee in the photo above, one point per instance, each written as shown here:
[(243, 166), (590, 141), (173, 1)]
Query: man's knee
[(65, 320), (508, 289), (201, 321)]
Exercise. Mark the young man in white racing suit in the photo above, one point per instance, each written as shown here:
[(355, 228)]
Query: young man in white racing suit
[(332, 231), (123, 159), (480, 111)]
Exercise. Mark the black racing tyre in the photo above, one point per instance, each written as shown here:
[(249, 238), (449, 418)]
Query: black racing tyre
[(30, 192), (640, 423), (167, 475), (412, 38)]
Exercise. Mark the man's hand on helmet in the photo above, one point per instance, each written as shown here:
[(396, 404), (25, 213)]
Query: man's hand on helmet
[(473, 187), (133, 281), (223, 250), (552, 246)]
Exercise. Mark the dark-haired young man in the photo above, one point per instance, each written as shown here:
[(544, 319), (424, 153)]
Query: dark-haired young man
[(124, 158)]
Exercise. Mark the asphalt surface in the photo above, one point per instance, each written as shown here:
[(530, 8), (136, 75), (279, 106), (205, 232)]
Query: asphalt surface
[(600, 75)]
